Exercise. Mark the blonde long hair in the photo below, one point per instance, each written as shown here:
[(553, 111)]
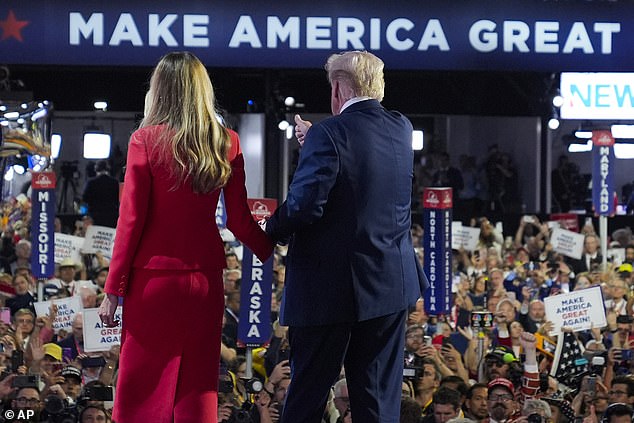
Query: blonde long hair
[(181, 96)]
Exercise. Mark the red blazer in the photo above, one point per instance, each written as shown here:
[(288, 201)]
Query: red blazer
[(161, 228)]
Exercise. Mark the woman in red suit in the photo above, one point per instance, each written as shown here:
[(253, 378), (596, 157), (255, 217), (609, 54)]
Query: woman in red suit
[(168, 258)]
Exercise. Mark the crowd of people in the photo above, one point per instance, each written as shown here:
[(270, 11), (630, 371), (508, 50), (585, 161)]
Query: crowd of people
[(452, 372)]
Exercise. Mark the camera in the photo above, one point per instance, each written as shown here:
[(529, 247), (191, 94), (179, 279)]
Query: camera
[(534, 418), (413, 367), (26, 381), (57, 410), (97, 393)]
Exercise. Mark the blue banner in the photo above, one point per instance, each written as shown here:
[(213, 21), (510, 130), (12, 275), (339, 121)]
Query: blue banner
[(254, 327), (437, 217), (603, 173), (525, 35), (43, 224)]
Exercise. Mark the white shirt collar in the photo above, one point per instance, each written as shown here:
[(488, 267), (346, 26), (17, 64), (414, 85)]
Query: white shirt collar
[(352, 101)]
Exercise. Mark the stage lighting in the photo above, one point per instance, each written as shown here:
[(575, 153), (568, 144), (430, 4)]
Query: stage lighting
[(622, 131), (553, 123), (96, 145), (417, 140), (283, 124), (583, 134), (101, 105), (56, 145), (558, 101), (580, 148), (623, 150), (289, 101)]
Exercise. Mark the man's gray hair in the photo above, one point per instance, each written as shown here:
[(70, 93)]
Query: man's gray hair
[(534, 405)]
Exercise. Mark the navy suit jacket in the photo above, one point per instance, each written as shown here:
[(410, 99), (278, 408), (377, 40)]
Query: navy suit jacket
[(347, 214)]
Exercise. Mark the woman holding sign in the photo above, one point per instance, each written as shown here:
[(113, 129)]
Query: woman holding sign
[(171, 279)]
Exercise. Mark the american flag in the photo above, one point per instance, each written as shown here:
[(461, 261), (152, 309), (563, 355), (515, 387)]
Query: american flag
[(569, 362)]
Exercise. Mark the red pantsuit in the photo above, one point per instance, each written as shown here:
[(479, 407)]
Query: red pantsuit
[(167, 265)]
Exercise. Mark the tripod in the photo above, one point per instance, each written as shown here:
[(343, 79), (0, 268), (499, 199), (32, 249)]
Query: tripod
[(62, 205)]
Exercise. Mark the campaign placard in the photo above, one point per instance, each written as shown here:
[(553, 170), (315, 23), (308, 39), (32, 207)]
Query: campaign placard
[(43, 224), (97, 337), (578, 310), (567, 243), (464, 237), (437, 216), (68, 246), (254, 327), (603, 172), (67, 308), (99, 238)]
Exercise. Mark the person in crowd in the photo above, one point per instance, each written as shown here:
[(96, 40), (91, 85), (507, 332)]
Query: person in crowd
[(342, 401), (94, 414), (22, 255), (622, 391), (170, 280), (23, 298), (101, 195), (448, 176), (501, 400), (75, 339), (618, 413), (232, 261), (27, 398), (446, 406), (475, 405), (67, 270), (591, 256), (410, 411), (532, 314), (370, 261), (426, 385)]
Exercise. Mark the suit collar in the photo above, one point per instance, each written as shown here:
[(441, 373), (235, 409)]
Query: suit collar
[(362, 105)]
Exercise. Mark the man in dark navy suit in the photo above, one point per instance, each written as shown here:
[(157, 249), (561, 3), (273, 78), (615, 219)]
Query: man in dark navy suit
[(351, 270)]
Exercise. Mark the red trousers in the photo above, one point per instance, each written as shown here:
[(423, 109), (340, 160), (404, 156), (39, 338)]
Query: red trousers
[(168, 369)]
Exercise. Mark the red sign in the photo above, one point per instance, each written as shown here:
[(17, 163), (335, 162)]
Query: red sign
[(43, 180), (602, 138), (262, 208), (437, 198), (568, 221)]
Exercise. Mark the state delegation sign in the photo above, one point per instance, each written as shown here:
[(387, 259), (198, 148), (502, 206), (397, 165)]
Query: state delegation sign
[(578, 310)]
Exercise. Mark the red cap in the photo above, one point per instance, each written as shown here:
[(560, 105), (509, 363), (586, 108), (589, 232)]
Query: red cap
[(502, 382)]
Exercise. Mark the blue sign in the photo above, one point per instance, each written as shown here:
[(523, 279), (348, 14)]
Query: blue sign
[(221, 212), (256, 288), (526, 35), (603, 173), (437, 217), (43, 224)]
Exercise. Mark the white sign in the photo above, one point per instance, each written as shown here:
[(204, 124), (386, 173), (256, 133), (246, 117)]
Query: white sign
[(616, 255), (578, 310), (68, 246), (67, 308), (567, 243), (597, 95), (97, 337), (464, 237), (99, 238)]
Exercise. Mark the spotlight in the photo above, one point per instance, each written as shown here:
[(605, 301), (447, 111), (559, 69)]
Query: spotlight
[(8, 176), (12, 115), (580, 148), (583, 134), (289, 101), (289, 132), (558, 101), (283, 124), (417, 140), (3, 108), (56, 145), (19, 169), (96, 145), (24, 106), (624, 151), (101, 105), (553, 123), (622, 131)]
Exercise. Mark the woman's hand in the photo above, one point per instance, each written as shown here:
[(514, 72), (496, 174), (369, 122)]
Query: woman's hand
[(107, 309)]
